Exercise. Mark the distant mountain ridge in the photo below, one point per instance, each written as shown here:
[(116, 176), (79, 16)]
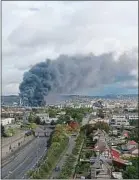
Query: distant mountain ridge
[(10, 99)]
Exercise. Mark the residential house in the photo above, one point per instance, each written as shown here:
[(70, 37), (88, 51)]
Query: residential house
[(115, 153), (26, 115), (94, 113), (117, 175), (114, 131), (131, 144), (44, 117), (53, 119), (93, 121), (119, 162), (125, 134), (130, 152), (133, 116), (6, 121), (134, 151), (119, 120)]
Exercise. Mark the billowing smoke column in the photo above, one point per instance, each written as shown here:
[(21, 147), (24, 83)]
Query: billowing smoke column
[(68, 74)]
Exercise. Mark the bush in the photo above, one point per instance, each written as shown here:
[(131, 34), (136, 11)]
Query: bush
[(132, 172), (69, 166), (37, 120), (10, 132), (32, 126)]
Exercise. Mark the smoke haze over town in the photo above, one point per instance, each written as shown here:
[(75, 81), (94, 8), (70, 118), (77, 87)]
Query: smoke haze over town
[(92, 46)]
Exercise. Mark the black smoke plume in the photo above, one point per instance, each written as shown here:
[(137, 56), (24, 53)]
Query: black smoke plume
[(68, 74)]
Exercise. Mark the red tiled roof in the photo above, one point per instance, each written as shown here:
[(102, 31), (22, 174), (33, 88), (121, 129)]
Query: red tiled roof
[(126, 134), (132, 149), (73, 124), (132, 143), (135, 152), (119, 160), (100, 146), (115, 153)]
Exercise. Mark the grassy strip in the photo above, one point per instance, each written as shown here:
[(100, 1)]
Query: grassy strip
[(60, 157), (68, 169)]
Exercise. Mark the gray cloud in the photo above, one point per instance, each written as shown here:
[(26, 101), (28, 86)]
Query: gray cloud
[(65, 28), (69, 74)]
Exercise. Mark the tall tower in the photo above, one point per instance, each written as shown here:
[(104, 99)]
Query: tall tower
[(20, 102), (25, 117)]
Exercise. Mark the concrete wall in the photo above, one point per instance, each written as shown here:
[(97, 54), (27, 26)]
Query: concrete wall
[(5, 151)]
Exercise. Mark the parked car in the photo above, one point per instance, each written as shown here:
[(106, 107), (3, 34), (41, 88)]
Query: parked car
[(74, 135), (28, 133)]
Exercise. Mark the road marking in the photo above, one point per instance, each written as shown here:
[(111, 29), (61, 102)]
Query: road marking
[(26, 158), (17, 167)]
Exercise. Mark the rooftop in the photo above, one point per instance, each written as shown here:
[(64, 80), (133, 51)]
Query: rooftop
[(132, 143)]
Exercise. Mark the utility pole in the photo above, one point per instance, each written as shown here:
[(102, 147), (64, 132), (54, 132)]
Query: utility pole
[(37, 153)]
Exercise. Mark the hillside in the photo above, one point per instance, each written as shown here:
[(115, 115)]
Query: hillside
[(10, 100)]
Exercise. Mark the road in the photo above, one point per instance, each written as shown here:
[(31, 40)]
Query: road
[(14, 144), (25, 159), (60, 164)]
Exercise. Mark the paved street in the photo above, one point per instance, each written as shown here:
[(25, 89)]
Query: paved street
[(25, 159), (64, 157)]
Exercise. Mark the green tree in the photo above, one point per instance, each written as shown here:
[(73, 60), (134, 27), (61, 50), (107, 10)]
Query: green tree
[(100, 113), (53, 122), (132, 172), (67, 118), (52, 113), (61, 119), (2, 130), (88, 128), (102, 125), (37, 120), (32, 126), (133, 135), (31, 118)]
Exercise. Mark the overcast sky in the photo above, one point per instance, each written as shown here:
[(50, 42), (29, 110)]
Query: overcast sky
[(34, 31)]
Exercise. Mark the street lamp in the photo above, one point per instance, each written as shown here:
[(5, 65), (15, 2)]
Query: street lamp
[(10, 172), (37, 149), (97, 153)]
